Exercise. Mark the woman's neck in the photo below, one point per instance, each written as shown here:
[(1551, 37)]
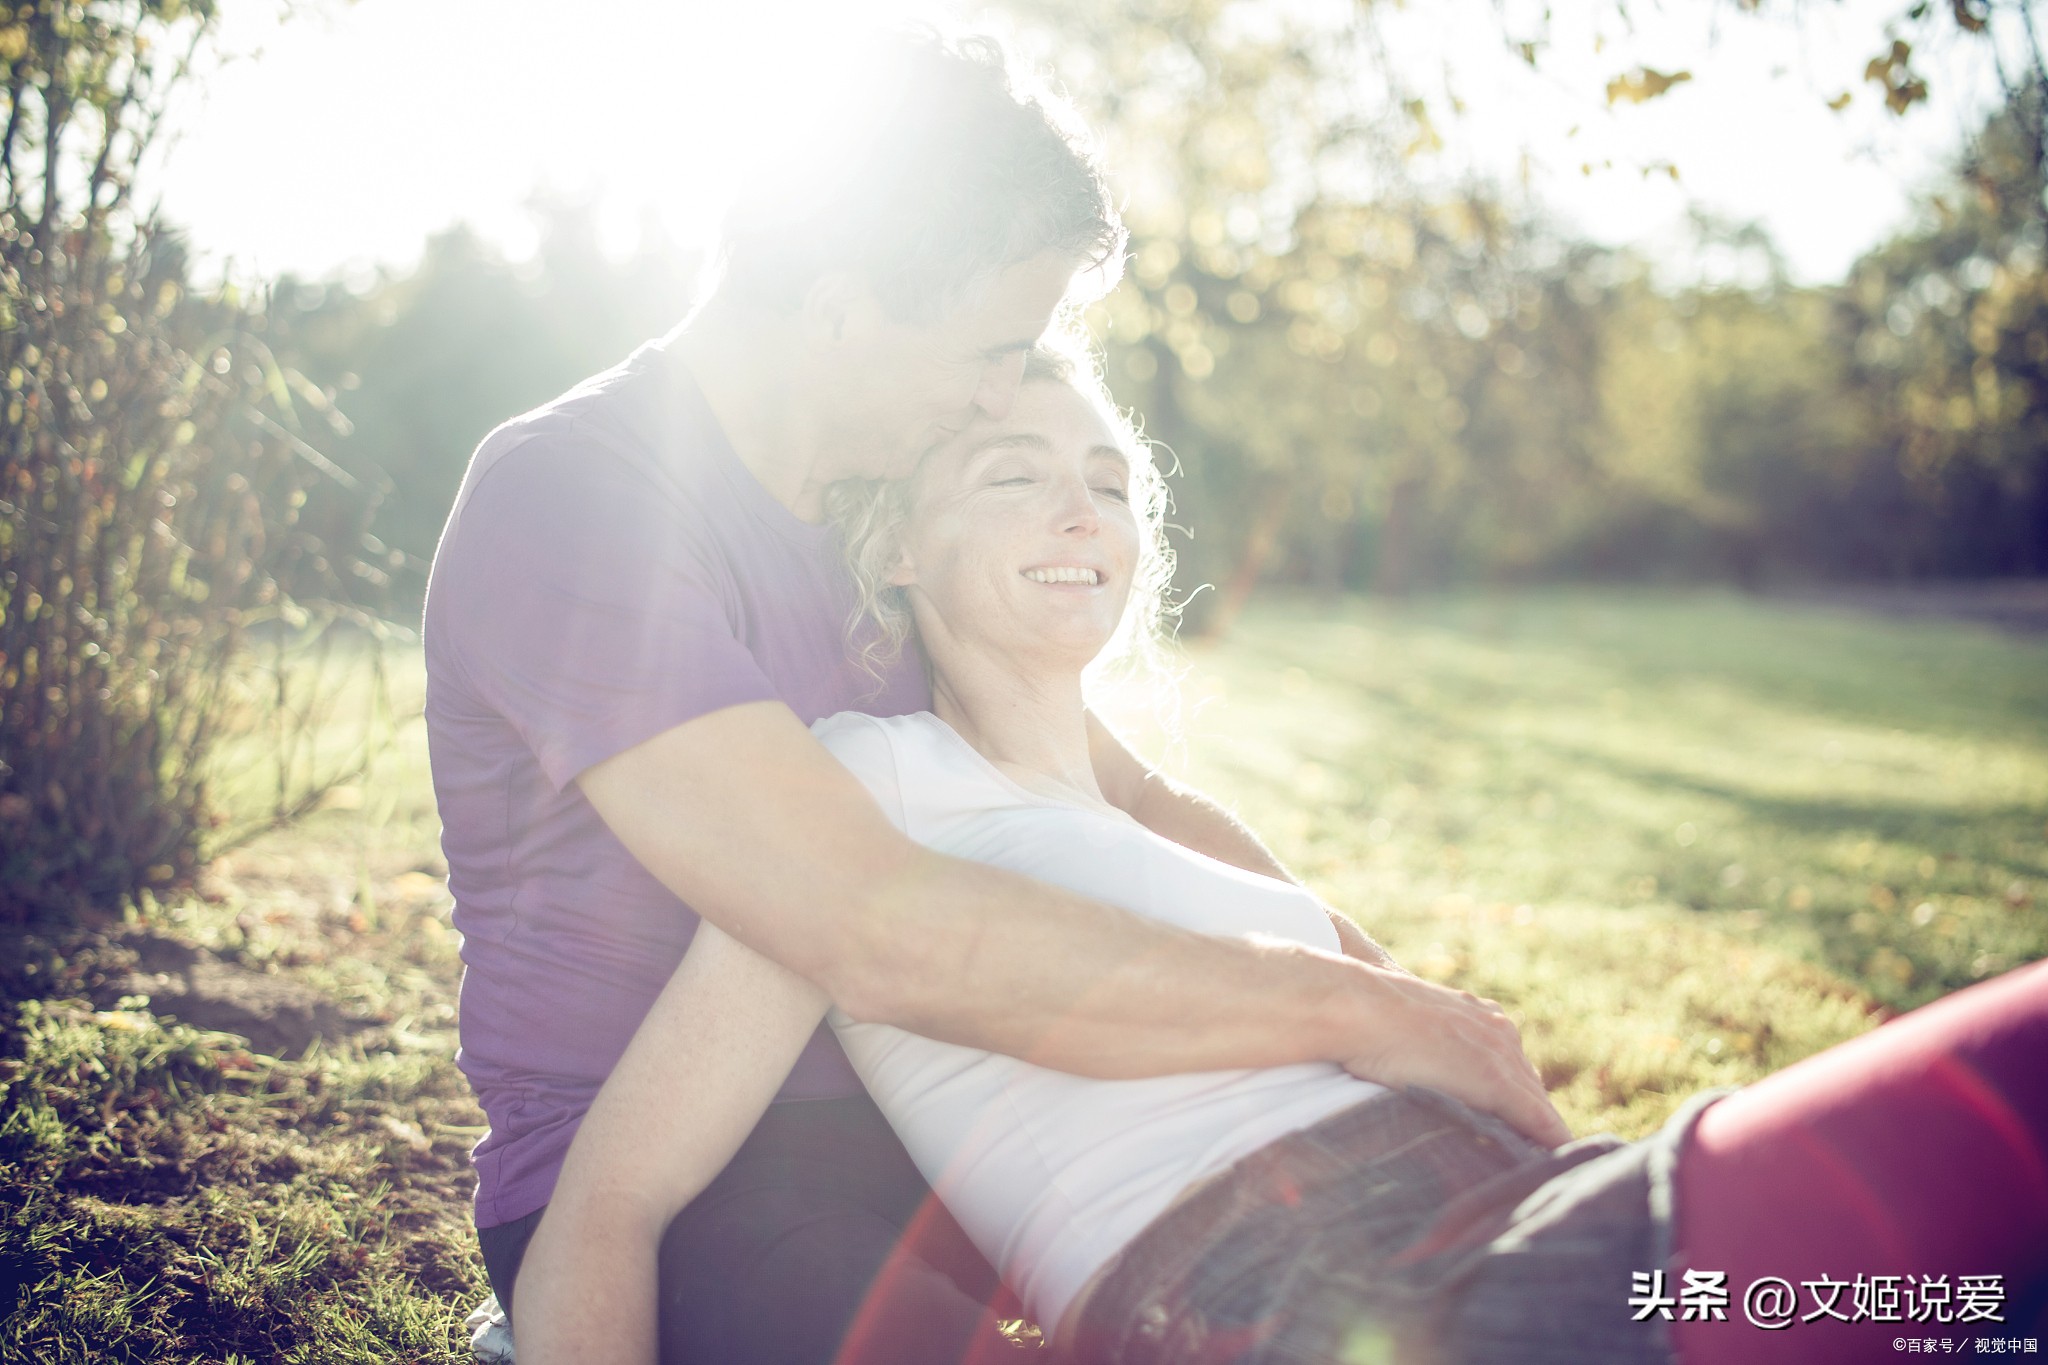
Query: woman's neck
[(1032, 726)]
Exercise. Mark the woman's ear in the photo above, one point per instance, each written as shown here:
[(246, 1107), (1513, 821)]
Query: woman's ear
[(902, 573)]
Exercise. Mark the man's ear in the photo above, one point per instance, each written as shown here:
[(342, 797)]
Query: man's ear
[(836, 307)]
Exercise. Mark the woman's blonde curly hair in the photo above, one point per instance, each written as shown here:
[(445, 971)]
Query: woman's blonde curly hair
[(870, 514)]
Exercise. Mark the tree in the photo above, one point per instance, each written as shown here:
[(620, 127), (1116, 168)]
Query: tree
[(1948, 330), (152, 468)]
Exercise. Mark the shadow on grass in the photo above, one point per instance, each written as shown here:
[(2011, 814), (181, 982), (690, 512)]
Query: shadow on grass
[(1932, 827)]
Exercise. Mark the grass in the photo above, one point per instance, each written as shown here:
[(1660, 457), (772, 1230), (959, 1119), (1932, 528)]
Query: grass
[(169, 1194), (1687, 838)]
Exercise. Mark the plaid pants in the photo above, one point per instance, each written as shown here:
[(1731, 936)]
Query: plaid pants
[(1410, 1228)]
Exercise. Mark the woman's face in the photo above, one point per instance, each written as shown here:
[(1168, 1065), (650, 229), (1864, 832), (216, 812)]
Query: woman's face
[(1021, 538)]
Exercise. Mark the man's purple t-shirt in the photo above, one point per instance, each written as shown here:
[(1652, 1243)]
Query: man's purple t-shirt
[(610, 571)]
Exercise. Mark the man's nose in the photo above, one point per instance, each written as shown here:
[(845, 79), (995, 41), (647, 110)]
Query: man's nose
[(1000, 380)]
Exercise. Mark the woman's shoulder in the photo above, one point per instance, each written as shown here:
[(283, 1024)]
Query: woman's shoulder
[(882, 749), (857, 731), (866, 747), (915, 765), (855, 735)]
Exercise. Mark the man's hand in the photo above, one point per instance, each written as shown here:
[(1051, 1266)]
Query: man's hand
[(1459, 1043)]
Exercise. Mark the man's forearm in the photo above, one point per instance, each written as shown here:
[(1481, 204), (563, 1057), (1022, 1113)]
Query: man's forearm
[(1098, 991), (1085, 987), (800, 864)]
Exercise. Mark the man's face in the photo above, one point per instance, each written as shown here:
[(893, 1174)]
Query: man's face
[(904, 387)]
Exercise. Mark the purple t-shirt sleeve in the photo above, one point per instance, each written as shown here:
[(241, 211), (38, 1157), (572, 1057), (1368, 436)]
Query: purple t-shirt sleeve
[(581, 608)]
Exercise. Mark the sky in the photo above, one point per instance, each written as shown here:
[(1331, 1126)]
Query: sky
[(339, 141)]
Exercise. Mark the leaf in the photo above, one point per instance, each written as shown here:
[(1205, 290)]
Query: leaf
[(1427, 139), (1893, 70), (1643, 83)]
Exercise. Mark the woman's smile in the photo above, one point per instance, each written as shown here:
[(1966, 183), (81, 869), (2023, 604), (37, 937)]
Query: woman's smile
[(1066, 576)]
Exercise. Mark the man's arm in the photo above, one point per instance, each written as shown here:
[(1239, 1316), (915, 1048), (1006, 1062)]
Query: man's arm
[(697, 1076), (1178, 812), (744, 815)]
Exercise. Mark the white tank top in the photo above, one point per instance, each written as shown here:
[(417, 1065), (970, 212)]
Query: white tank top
[(1052, 1174)]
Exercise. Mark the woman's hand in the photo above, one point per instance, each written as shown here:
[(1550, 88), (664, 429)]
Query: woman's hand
[(1421, 1033)]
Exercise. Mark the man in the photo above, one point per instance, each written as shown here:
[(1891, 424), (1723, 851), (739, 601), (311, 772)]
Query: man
[(634, 614)]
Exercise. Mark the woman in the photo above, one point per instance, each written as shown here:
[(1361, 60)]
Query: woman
[(1298, 1214)]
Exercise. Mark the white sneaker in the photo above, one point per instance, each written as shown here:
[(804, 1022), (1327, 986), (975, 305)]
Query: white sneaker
[(490, 1333)]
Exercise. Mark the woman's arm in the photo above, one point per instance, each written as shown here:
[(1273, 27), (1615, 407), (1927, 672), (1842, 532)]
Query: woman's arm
[(1184, 815), (1173, 811), (697, 1076)]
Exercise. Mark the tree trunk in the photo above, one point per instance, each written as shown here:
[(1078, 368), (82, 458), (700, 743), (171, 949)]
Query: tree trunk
[(1259, 544)]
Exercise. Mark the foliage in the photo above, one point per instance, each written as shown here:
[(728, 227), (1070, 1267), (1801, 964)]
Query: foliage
[(1373, 377), (1948, 330), (430, 361), (152, 475)]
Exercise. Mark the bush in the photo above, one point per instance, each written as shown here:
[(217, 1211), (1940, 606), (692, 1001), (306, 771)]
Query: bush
[(152, 475)]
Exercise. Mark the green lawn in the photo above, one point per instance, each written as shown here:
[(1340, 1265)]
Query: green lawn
[(1686, 838)]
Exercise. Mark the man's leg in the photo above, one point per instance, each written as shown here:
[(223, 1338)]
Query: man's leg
[(802, 1236), (1920, 1148), (504, 1247), (798, 1254)]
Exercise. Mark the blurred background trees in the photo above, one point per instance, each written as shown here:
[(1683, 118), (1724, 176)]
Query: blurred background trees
[(1377, 381), (1372, 375), (425, 362)]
